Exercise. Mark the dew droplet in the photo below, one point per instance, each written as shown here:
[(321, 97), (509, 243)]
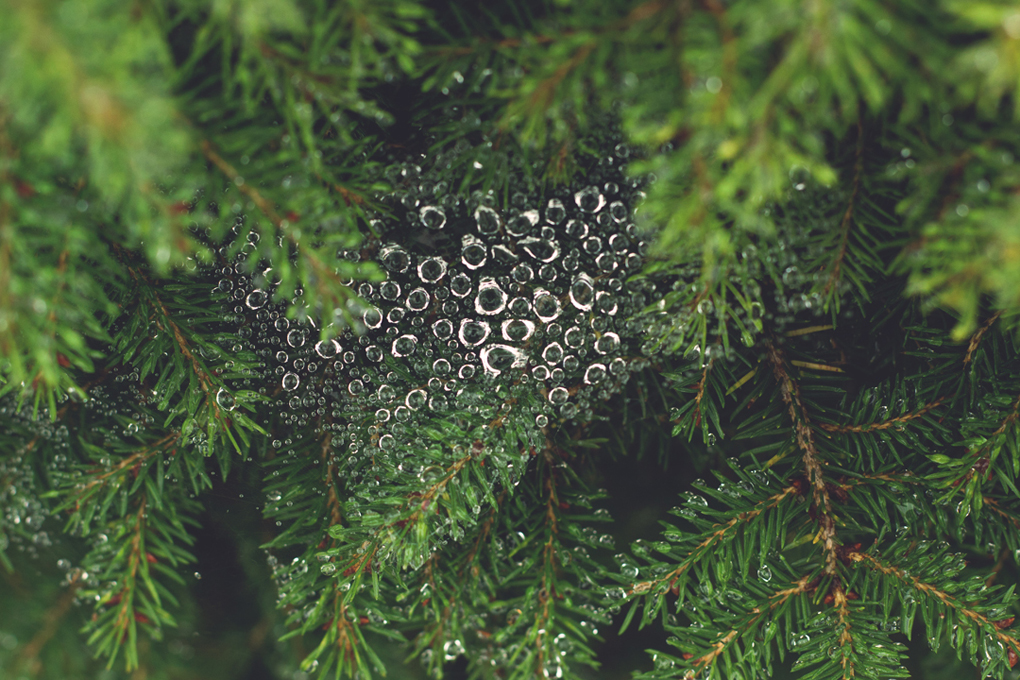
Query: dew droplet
[(432, 269), (432, 217), (473, 332), (609, 342), (415, 399), (290, 381), (404, 345), (417, 300), (374, 353), (225, 399), (327, 349), (541, 249), (517, 330), (555, 213), (441, 367), (256, 299), (574, 337), (296, 337), (487, 221), (547, 306), (558, 395), (395, 258), (596, 373), (442, 329), (582, 292), (498, 358), (491, 299), (553, 353), (590, 199), (473, 253)]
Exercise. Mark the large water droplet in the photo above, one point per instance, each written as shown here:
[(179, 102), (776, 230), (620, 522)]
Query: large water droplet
[(225, 399), (290, 381), (256, 299), (460, 285), (472, 252), (327, 349), (555, 213), (558, 395), (491, 299), (441, 367), (539, 248), (577, 229), (296, 338), (389, 290), (522, 273), (609, 342), (574, 337), (552, 353), (417, 300), (404, 345), (517, 330), (432, 269), (582, 292), (547, 306), (386, 393), (395, 258), (281, 324), (415, 399), (590, 199), (523, 223), (432, 217), (596, 373), (442, 329), (374, 353), (487, 221), (498, 358), (355, 387), (473, 332)]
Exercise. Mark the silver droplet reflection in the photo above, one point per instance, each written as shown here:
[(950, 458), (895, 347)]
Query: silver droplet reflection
[(404, 345), (432, 269), (296, 338), (432, 217), (256, 299), (558, 395), (590, 199), (499, 358), (327, 349), (547, 306), (596, 373), (491, 299), (290, 381), (473, 332), (487, 221)]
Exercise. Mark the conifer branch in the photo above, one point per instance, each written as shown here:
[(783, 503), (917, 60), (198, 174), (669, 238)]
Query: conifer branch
[(942, 597), (845, 223), (975, 339), (884, 425), (813, 463)]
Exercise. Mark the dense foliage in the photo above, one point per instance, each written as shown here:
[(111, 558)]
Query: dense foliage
[(437, 283)]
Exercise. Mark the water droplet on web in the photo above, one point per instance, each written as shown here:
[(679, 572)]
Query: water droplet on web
[(432, 269), (355, 387), (553, 353), (574, 337), (389, 290), (547, 306), (415, 399), (487, 221), (281, 324), (442, 329), (225, 399), (290, 381), (386, 393), (433, 217), (590, 199), (522, 273), (577, 229), (473, 332), (558, 395), (466, 372), (374, 353), (404, 345), (417, 300), (491, 299), (498, 358), (541, 249), (395, 258), (596, 373), (582, 292), (609, 342), (256, 299), (282, 357), (327, 349), (517, 330), (472, 253), (541, 420), (523, 223), (296, 338), (555, 213)]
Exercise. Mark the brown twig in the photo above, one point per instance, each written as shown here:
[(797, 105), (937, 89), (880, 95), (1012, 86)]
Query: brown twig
[(884, 425), (844, 225)]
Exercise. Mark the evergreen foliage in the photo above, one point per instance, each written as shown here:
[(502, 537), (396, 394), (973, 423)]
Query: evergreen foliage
[(424, 277)]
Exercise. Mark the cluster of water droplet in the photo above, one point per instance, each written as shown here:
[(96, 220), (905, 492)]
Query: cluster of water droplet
[(480, 308)]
